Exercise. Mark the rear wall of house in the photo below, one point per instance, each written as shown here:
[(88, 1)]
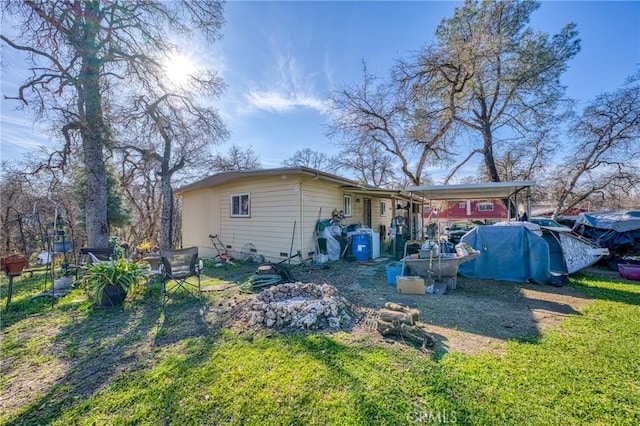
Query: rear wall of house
[(273, 210), (276, 203), (200, 219)]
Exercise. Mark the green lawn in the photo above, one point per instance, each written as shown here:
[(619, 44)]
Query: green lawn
[(74, 364)]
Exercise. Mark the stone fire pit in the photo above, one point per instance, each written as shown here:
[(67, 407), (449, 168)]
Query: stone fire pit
[(301, 306)]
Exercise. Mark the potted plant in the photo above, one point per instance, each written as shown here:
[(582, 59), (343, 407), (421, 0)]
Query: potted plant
[(13, 265), (109, 282)]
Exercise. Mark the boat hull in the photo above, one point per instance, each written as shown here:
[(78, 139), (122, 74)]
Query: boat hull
[(578, 252)]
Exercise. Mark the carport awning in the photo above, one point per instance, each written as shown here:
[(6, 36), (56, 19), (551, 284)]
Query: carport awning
[(473, 191), (378, 192)]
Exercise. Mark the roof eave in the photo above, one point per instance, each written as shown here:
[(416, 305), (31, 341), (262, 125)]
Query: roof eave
[(225, 177)]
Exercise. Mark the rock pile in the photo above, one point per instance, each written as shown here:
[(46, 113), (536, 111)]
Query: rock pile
[(304, 306)]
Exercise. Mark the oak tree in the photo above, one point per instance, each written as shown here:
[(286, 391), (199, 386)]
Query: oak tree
[(82, 55)]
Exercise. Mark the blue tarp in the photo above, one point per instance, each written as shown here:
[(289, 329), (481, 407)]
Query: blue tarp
[(507, 253), (619, 221), (619, 231)]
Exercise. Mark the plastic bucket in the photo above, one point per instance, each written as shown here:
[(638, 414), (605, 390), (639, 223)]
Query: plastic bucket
[(62, 247), (62, 283), (360, 247), (394, 269)]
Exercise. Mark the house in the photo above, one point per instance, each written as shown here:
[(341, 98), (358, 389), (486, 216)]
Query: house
[(487, 211), (472, 202), (273, 212)]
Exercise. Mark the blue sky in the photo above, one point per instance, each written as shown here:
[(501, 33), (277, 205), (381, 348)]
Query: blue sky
[(280, 60)]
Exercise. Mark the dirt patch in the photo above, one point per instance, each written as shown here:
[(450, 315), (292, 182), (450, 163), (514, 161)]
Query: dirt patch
[(477, 316)]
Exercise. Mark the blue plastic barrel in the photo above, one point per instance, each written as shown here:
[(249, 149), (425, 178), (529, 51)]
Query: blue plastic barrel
[(360, 247)]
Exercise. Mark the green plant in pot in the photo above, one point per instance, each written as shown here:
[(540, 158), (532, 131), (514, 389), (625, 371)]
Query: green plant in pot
[(109, 282)]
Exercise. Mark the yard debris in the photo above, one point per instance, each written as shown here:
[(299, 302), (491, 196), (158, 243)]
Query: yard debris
[(298, 306), (268, 274), (401, 321)]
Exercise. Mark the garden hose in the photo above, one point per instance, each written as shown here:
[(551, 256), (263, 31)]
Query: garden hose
[(261, 280)]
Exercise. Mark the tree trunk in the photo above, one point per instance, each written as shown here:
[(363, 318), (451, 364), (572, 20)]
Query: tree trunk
[(166, 217), (166, 221), (93, 134), (489, 160)]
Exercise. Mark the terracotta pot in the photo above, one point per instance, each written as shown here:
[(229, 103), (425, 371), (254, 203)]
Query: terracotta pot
[(13, 265)]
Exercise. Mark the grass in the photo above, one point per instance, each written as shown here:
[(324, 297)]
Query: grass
[(74, 364)]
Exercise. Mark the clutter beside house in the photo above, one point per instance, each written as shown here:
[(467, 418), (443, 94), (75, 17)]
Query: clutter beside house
[(292, 214)]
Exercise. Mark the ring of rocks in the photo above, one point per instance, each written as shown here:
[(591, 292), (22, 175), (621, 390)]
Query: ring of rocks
[(305, 306)]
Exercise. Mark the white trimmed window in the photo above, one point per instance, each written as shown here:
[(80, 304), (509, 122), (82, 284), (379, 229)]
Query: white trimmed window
[(346, 208), (383, 208), (462, 205), (240, 205), (485, 207)]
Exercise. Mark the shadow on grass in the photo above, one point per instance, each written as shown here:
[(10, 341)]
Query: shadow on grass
[(104, 344), (352, 370), (22, 305), (384, 386)]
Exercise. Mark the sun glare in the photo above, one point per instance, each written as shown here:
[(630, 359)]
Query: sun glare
[(178, 68)]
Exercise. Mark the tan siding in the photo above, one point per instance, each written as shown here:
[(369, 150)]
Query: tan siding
[(276, 203), (377, 220), (199, 220), (317, 195), (274, 208)]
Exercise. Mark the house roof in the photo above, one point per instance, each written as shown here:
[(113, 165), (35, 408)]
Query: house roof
[(346, 184), (225, 177), (473, 191)]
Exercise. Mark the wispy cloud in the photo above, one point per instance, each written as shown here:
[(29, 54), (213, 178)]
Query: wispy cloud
[(281, 101), (287, 85), (20, 135)]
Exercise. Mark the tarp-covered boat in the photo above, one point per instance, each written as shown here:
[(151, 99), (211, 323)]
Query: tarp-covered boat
[(618, 231), (518, 253), (507, 253)]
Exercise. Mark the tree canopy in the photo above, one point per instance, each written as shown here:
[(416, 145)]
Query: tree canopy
[(84, 55)]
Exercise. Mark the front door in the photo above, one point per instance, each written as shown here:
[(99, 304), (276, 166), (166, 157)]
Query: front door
[(366, 215)]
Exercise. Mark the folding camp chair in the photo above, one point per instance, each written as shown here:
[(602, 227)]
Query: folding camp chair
[(88, 256), (179, 266)]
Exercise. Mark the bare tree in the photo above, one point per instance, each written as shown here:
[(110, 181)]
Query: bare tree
[(370, 165), (510, 76), (83, 53), (175, 132), (524, 161), (310, 158), (11, 215), (236, 159), (141, 186), (390, 118), (30, 201), (604, 158)]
